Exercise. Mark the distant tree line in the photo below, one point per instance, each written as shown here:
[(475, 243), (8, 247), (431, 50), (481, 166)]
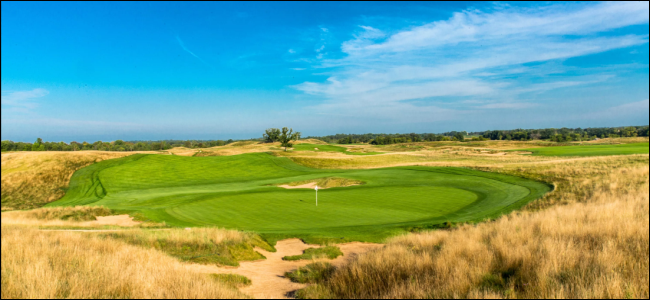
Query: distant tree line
[(387, 139), (118, 145), (564, 134), (550, 134), (286, 136)]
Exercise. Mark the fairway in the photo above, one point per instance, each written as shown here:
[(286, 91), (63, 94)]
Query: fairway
[(590, 150), (239, 192)]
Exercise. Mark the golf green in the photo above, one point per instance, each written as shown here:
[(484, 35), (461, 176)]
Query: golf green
[(240, 192)]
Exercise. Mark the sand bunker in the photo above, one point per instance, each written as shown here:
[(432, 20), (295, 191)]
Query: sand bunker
[(268, 275), (310, 185), (120, 220)]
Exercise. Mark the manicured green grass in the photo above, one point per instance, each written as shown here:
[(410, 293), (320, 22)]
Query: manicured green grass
[(330, 252), (238, 192), (329, 148), (591, 150)]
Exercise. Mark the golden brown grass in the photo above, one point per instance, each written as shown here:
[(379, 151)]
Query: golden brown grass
[(37, 264), (33, 179), (79, 217), (587, 239)]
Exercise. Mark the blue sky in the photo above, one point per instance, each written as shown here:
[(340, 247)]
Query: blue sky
[(196, 70)]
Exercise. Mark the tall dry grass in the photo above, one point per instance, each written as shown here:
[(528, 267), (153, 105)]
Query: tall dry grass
[(33, 179), (37, 264), (588, 239), (198, 245)]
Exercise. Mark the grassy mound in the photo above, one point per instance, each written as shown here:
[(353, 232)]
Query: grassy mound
[(33, 179), (311, 273), (238, 192), (330, 252), (79, 213), (234, 280), (199, 245), (329, 148)]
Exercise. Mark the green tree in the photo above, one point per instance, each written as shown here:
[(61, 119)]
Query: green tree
[(271, 135), (629, 132), (37, 145), (459, 136), (287, 136)]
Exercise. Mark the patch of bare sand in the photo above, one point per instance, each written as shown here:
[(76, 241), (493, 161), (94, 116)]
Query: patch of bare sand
[(310, 185), (16, 218), (119, 220), (267, 276)]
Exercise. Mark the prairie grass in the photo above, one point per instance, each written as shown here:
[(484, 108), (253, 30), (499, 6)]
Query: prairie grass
[(197, 245), (234, 280), (329, 252), (312, 273), (33, 179), (587, 239), (77, 213), (37, 264)]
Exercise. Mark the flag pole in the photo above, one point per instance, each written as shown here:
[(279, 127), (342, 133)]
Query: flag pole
[(316, 188)]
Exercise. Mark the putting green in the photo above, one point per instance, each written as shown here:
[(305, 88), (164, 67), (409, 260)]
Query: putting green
[(239, 192)]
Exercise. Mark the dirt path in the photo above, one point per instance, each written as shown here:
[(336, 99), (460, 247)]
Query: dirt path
[(268, 275)]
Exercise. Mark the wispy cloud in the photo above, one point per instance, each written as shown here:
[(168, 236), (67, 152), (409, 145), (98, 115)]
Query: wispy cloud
[(624, 110), (180, 42), (470, 55), (22, 100)]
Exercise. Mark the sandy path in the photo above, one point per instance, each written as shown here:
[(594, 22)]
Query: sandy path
[(268, 275)]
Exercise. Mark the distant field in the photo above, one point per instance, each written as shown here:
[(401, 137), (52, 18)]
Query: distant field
[(591, 150), (238, 192), (329, 148)]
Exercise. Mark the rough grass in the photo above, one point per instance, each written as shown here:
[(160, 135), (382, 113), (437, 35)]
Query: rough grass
[(77, 213), (37, 264), (329, 252), (198, 245), (587, 239), (33, 179), (332, 148), (234, 280), (315, 272)]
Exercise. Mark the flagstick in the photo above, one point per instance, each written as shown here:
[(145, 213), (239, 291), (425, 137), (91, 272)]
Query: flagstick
[(316, 195)]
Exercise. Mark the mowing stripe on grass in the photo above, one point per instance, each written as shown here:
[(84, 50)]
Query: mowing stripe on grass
[(238, 192), (591, 150)]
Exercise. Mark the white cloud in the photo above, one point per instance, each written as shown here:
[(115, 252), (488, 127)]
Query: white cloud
[(466, 54), (292, 51), (22, 100), (508, 105), (180, 42)]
